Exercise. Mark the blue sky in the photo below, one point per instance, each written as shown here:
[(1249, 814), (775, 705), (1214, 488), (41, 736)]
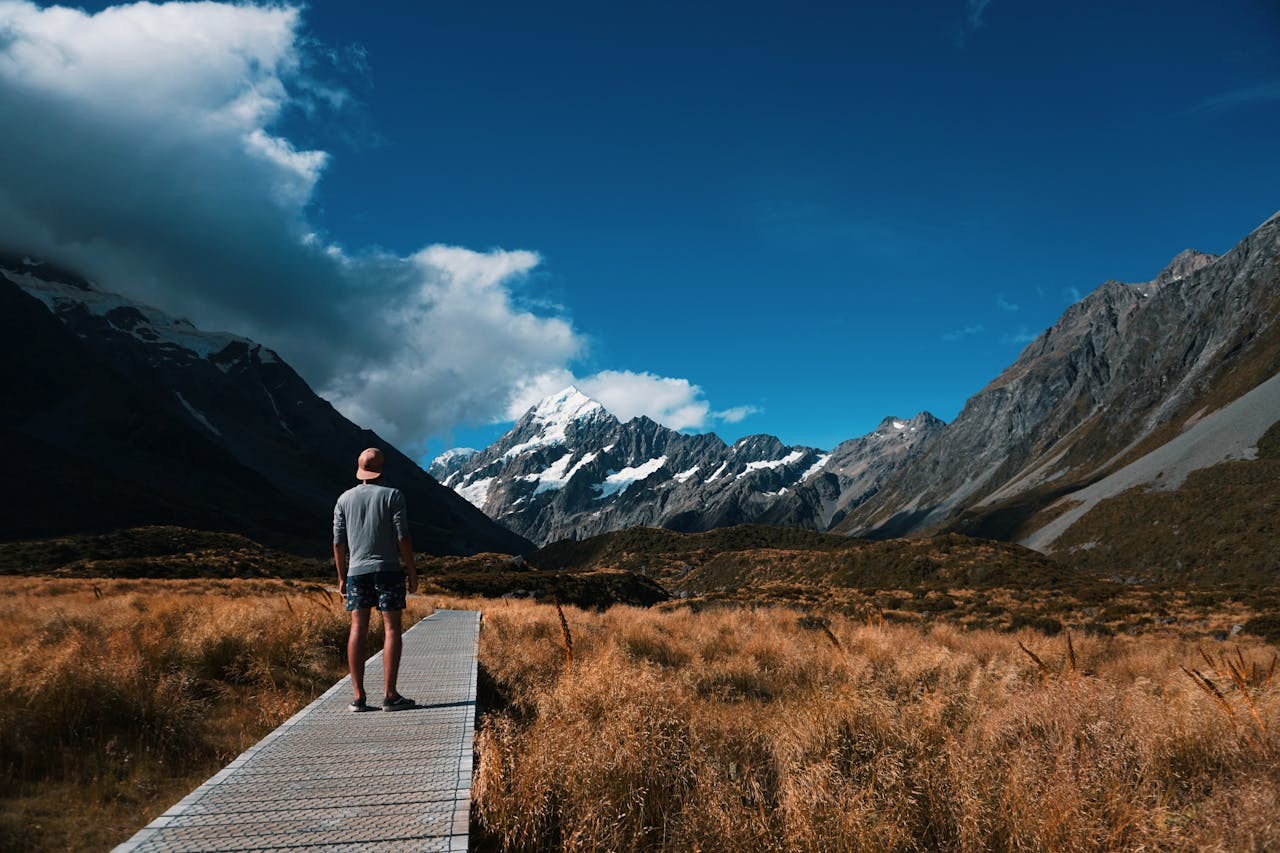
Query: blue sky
[(824, 212)]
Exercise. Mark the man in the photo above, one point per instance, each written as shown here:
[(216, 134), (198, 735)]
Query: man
[(370, 529)]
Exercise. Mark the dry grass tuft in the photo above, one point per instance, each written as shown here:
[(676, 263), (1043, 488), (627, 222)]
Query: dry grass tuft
[(1243, 676), (565, 634), (121, 695), (733, 729)]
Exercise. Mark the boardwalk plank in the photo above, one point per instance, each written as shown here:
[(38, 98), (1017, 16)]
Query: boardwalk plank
[(330, 778)]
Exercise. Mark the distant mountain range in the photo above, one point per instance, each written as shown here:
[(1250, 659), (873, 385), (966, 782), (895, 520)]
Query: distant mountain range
[(115, 414), (1140, 432), (1146, 396), (570, 469)]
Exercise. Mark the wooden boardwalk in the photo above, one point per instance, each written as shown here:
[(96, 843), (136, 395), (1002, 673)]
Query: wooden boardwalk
[(335, 779)]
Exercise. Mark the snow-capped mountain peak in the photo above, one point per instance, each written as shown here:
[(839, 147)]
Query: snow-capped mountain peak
[(565, 406), (551, 421), (454, 453), (445, 467), (177, 338), (569, 468)]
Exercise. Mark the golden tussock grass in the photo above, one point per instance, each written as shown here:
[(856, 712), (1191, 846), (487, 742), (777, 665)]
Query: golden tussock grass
[(118, 697), (730, 729), (761, 730)]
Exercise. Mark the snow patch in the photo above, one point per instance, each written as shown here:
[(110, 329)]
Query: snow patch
[(815, 467), (162, 328), (620, 481), (685, 475), (790, 459), (588, 458), (556, 477), (197, 414), (476, 493), (718, 472)]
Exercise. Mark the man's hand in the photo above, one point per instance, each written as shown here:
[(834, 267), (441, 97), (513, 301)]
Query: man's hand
[(342, 586), (410, 568)]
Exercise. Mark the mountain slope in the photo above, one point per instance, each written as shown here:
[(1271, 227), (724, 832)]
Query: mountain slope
[(570, 469), (746, 558), (121, 415), (1122, 373)]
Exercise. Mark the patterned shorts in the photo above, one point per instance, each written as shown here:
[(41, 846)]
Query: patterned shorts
[(386, 589)]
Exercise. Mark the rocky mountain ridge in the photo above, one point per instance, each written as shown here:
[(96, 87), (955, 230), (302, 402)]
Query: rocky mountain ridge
[(126, 416), (570, 469), (1123, 373)]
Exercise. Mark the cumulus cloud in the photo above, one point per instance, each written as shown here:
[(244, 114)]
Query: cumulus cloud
[(673, 402), (463, 345), (142, 148), (967, 331), (737, 414)]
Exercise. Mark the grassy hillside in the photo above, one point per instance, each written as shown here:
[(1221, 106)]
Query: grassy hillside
[(497, 576), (952, 579), (631, 546), (176, 552), (748, 555), (153, 552), (1219, 527)]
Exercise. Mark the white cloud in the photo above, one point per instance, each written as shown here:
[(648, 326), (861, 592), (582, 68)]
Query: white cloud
[(462, 347), (1022, 336), (141, 147), (675, 403), (526, 393), (1004, 305), (736, 414), (1071, 294), (967, 331)]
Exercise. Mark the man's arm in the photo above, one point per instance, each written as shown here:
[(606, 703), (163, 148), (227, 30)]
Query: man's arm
[(340, 552), (340, 557), (410, 568), (400, 520)]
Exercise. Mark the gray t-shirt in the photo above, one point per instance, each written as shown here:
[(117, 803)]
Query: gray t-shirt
[(369, 519)]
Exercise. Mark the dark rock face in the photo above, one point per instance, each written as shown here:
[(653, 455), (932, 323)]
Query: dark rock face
[(570, 469), (1121, 373), (120, 415)]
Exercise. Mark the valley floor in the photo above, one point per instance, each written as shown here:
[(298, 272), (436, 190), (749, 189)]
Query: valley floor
[(733, 727)]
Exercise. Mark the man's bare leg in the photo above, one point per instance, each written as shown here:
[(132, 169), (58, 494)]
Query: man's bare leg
[(355, 649), (391, 650)]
